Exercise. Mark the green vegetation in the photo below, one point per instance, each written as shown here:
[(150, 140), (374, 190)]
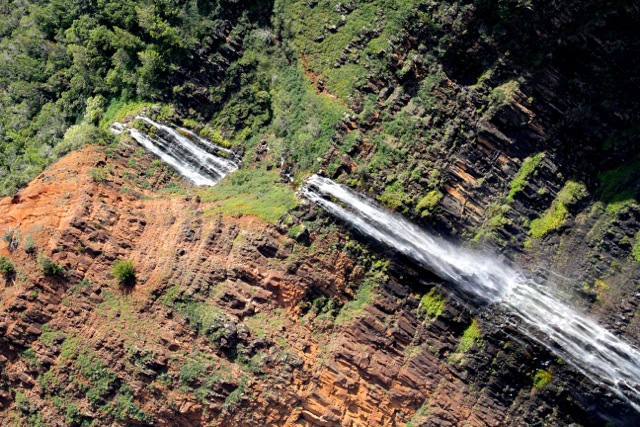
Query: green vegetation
[(98, 175), (432, 304), (635, 250), (251, 191), (355, 307), (503, 95), (619, 186), (28, 244), (77, 63), (204, 318), (78, 135), (422, 412), (49, 267), (556, 216), (429, 203), (125, 272), (552, 219), (6, 267), (571, 193), (204, 375), (469, 337), (104, 390), (542, 377), (300, 25), (302, 121), (527, 168), (29, 411), (393, 196)]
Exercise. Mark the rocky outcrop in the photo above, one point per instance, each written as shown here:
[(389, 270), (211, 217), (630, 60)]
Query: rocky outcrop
[(233, 322)]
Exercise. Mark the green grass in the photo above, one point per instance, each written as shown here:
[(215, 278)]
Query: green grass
[(355, 307), (321, 56), (552, 219), (556, 216), (429, 203), (469, 337), (420, 413), (572, 192), (124, 110), (521, 179), (432, 304), (203, 376), (251, 191), (206, 319), (619, 186)]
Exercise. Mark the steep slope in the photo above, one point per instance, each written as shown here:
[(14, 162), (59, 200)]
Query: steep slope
[(233, 322), (510, 128)]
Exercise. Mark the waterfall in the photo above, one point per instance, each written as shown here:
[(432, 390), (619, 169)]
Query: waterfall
[(198, 160), (571, 335)]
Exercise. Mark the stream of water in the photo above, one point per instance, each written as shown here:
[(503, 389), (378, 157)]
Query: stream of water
[(571, 335), (197, 159)]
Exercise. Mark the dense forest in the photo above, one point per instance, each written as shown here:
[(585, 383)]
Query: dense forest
[(68, 63)]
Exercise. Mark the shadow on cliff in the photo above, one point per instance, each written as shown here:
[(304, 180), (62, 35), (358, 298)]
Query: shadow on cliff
[(577, 63)]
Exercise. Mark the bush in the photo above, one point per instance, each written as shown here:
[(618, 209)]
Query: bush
[(29, 245), (124, 272), (98, 175), (49, 266), (542, 377), (432, 304), (78, 135), (429, 203), (6, 267)]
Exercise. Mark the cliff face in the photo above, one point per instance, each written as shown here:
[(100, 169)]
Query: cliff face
[(510, 129), (233, 322)]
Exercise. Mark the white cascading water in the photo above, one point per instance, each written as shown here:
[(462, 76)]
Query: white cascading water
[(593, 350), (190, 157)]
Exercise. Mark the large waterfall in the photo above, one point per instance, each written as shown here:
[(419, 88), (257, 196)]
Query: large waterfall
[(590, 348), (198, 160)]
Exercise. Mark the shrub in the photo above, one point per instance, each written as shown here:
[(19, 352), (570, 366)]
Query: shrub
[(28, 245), (432, 304), (393, 196), (542, 377), (49, 266), (6, 267), (124, 272), (98, 175), (78, 135), (428, 203)]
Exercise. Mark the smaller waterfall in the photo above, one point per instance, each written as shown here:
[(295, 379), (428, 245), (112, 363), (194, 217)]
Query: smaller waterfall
[(593, 350), (198, 160)]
